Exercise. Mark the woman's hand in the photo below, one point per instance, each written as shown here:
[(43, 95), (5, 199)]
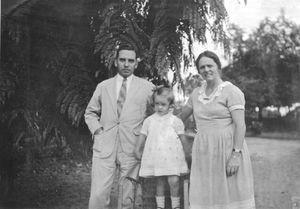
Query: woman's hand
[(233, 163)]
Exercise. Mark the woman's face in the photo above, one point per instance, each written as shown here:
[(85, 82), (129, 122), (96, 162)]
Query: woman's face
[(208, 69)]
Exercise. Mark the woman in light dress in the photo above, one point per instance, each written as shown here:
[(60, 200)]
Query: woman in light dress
[(221, 172)]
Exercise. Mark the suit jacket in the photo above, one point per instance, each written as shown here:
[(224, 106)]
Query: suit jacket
[(102, 112)]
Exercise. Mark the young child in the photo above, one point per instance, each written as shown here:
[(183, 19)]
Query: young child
[(160, 148)]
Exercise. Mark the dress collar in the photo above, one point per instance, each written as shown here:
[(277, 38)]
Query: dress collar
[(207, 99), (163, 117)]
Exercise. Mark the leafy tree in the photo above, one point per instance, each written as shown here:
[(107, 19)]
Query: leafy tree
[(51, 55), (35, 64), (264, 64), (157, 28), (44, 44)]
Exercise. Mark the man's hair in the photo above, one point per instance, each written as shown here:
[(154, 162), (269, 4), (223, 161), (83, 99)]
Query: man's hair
[(126, 47), (165, 92), (210, 55)]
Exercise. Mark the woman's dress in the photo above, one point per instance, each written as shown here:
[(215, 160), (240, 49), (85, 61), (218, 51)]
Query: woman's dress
[(210, 187)]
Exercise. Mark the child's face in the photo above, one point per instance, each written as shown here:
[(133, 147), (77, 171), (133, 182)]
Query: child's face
[(161, 105)]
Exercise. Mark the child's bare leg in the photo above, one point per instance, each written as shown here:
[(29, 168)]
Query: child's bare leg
[(174, 185), (160, 185), (174, 190), (160, 192)]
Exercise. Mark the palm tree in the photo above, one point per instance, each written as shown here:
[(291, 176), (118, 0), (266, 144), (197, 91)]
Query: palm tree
[(157, 28), (39, 40)]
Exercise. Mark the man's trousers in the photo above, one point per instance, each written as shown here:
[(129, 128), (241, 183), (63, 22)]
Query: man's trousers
[(103, 172)]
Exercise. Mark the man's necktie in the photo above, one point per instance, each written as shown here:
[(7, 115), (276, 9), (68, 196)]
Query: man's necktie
[(122, 97)]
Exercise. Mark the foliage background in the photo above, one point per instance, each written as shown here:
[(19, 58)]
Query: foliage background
[(54, 52)]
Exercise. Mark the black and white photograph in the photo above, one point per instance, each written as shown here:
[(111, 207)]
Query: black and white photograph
[(150, 104)]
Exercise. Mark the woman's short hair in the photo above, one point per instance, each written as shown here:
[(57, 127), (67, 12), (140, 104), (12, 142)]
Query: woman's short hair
[(165, 92), (210, 55)]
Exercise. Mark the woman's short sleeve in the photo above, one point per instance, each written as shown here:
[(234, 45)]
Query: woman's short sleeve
[(236, 99), (145, 126), (178, 126)]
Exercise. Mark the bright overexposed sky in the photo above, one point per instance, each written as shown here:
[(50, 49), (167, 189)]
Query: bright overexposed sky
[(248, 16)]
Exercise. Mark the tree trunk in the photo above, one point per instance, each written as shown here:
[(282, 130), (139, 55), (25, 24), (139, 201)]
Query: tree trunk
[(260, 116)]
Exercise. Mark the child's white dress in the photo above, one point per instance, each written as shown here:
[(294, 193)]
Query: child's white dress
[(163, 153)]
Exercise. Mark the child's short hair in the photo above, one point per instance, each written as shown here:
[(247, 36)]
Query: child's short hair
[(166, 92)]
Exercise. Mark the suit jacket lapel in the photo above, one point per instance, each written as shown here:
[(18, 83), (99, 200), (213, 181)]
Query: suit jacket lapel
[(111, 90)]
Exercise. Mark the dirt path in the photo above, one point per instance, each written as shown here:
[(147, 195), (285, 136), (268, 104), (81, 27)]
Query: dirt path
[(65, 184), (276, 167)]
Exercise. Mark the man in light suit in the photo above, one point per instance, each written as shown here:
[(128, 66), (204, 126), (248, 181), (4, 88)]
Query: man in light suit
[(115, 124)]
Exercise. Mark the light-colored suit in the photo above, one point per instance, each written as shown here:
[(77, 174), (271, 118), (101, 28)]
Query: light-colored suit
[(116, 143)]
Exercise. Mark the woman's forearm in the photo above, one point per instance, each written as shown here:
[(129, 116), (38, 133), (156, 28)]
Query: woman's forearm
[(238, 118), (185, 113), (239, 136)]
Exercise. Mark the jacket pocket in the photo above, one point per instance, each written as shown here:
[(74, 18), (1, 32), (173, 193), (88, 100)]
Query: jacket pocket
[(104, 143), (98, 142)]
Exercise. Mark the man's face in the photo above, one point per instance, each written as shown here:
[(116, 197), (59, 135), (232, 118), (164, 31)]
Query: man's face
[(126, 62)]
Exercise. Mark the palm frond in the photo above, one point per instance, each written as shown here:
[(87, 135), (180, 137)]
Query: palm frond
[(73, 99), (119, 25), (158, 31)]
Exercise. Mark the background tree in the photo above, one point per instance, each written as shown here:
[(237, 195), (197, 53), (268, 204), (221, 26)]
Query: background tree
[(156, 28), (266, 63)]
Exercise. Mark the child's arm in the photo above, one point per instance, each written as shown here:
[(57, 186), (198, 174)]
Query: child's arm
[(182, 139), (140, 146)]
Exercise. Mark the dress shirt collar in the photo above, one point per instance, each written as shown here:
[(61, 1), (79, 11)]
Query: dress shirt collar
[(120, 78)]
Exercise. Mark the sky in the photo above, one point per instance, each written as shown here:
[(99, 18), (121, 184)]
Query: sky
[(248, 16)]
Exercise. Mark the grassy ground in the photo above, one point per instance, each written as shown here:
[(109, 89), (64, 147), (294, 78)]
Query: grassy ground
[(280, 135), (65, 183), (53, 183)]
